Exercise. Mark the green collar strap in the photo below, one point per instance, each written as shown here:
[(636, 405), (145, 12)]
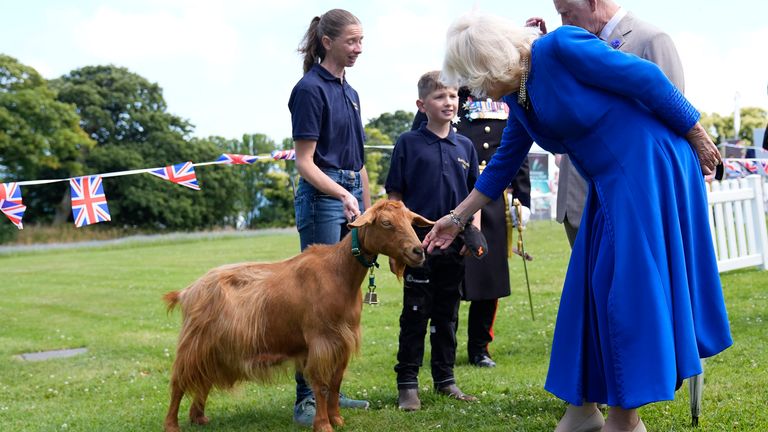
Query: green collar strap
[(358, 253)]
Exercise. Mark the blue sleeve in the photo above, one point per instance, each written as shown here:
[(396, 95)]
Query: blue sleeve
[(395, 181), (307, 108), (594, 63), (515, 143)]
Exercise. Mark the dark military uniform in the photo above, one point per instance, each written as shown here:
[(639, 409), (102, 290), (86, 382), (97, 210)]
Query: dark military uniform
[(487, 280)]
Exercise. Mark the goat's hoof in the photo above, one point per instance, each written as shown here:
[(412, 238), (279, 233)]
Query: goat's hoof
[(337, 420), (171, 427), (324, 427), (201, 420)]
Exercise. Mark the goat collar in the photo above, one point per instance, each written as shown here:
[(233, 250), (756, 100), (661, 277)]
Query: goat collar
[(357, 252)]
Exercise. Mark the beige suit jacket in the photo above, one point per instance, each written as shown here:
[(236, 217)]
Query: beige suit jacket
[(646, 41)]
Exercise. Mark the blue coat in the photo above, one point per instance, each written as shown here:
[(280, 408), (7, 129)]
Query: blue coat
[(642, 301)]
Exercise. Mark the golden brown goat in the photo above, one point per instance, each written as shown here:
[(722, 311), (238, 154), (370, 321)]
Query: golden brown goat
[(241, 319)]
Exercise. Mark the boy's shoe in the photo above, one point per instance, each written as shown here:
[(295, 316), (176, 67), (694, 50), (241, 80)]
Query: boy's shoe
[(408, 400), (452, 390), (345, 402), (304, 412), (484, 361)]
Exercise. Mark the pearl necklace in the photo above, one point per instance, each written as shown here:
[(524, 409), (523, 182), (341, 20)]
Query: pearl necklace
[(522, 94)]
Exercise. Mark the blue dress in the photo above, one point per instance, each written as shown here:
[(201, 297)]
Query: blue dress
[(642, 301)]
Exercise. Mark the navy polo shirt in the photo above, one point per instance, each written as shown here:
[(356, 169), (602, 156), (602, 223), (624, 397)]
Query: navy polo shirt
[(432, 174), (327, 110)]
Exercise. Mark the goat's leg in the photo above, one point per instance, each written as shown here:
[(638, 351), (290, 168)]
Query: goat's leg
[(197, 409), (321, 391), (333, 395), (171, 423)]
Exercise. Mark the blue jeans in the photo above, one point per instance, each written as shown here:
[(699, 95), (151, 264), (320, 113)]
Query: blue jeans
[(320, 219)]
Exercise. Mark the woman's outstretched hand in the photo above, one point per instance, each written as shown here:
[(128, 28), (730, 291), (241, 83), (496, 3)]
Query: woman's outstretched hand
[(442, 234), (706, 150)]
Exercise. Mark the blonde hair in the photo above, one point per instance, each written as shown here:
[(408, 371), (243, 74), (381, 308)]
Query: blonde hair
[(483, 49), (430, 82)]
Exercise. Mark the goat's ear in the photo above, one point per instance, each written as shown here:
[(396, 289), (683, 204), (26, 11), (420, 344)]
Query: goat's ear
[(361, 220), (420, 221)]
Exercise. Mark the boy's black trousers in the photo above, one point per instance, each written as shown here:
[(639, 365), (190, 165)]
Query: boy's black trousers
[(430, 301)]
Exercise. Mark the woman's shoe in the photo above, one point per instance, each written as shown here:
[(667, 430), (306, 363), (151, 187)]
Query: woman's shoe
[(576, 420), (640, 427)]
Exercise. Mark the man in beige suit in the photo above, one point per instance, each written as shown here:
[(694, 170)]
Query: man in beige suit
[(623, 31)]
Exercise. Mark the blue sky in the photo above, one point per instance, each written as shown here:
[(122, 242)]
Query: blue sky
[(228, 66)]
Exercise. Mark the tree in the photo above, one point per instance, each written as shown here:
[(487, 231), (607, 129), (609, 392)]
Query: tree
[(126, 115), (40, 137), (392, 124), (267, 198), (751, 117), (384, 130), (377, 161), (714, 124)]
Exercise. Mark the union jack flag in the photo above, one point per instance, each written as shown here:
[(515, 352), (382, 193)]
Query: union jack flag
[(732, 168), (182, 174), (237, 159), (89, 204), (10, 203), (284, 154), (750, 166)]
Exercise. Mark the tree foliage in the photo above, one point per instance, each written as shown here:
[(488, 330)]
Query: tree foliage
[(100, 119), (384, 130), (40, 136), (126, 115), (377, 161), (267, 197), (392, 124), (751, 117)]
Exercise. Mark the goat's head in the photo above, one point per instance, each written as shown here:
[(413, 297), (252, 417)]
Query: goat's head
[(387, 228)]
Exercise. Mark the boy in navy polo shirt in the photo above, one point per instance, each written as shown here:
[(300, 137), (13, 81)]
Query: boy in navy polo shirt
[(433, 169)]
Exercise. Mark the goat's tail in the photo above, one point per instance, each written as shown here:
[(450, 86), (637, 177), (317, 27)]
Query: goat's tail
[(171, 299)]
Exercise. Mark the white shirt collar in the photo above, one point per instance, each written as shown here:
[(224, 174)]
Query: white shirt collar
[(608, 29)]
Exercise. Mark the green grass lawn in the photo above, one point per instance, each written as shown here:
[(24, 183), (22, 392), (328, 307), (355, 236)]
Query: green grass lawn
[(109, 301)]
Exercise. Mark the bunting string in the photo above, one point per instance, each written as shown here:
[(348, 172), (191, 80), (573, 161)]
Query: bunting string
[(224, 159), (737, 168), (89, 201)]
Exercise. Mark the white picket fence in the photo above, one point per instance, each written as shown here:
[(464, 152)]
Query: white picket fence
[(737, 222)]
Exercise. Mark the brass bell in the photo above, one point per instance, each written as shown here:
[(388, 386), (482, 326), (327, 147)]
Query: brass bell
[(371, 298)]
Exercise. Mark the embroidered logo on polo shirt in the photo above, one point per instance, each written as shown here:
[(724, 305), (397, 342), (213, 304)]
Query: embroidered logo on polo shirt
[(410, 278), (463, 163), (487, 109)]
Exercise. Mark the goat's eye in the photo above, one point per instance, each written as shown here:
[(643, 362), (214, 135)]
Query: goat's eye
[(386, 224)]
